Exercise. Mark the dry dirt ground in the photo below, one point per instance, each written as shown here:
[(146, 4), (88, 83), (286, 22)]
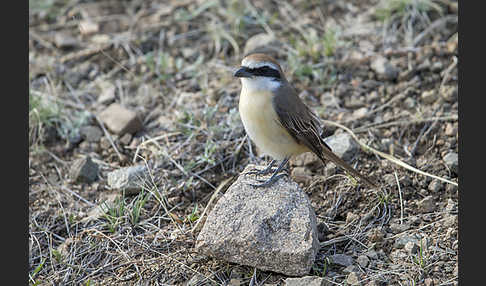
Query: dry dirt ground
[(171, 62)]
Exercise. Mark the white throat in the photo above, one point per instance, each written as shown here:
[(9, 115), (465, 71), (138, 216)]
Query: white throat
[(259, 83)]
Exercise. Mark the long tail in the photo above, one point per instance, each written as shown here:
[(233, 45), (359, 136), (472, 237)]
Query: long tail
[(328, 154)]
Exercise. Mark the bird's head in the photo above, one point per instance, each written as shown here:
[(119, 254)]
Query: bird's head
[(260, 72)]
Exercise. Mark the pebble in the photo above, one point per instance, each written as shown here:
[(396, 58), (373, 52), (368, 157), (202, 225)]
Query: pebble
[(426, 205), (409, 103), (411, 247), (449, 93), (91, 133), (435, 186), (129, 179), (65, 41), (429, 96), (341, 259), (107, 94), (343, 145), (451, 159), (120, 120), (84, 170), (305, 281), (363, 260), (353, 279), (384, 69)]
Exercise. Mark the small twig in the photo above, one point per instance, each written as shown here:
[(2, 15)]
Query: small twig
[(108, 136), (438, 23), (401, 199), (77, 196), (151, 140), (405, 122), (85, 53), (447, 72)]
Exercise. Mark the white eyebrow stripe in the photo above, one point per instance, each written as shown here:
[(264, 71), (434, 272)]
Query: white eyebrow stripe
[(252, 64)]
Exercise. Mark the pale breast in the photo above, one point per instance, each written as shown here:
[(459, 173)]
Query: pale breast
[(262, 125)]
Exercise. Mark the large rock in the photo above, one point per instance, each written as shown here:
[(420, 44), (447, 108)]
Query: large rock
[(272, 229)]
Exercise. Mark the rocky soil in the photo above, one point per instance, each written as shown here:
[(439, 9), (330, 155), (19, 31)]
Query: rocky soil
[(134, 135)]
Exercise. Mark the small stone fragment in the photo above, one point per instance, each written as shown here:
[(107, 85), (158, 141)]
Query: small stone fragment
[(363, 260), (305, 281), (120, 120), (84, 170), (353, 279), (91, 133), (452, 161), (129, 179), (342, 259), (384, 69), (343, 145), (426, 205), (429, 96)]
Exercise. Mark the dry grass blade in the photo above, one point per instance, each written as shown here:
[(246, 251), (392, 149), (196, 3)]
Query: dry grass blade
[(387, 156)]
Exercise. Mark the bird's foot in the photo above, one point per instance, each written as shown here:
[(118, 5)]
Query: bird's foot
[(269, 169), (270, 181)]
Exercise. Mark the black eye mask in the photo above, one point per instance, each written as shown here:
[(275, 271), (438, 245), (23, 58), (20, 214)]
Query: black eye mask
[(264, 71)]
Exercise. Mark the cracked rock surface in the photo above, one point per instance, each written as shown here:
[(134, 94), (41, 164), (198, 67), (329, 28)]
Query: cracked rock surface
[(272, 229)]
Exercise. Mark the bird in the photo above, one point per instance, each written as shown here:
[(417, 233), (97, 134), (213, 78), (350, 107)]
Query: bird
[(278, 121)]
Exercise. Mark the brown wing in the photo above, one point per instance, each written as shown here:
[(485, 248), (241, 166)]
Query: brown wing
[(304, 126)]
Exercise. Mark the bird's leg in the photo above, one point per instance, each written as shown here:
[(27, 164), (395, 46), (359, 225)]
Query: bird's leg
[(275, 176), (265, 171)]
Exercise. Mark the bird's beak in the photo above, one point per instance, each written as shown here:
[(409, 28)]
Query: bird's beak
[(242, 72)]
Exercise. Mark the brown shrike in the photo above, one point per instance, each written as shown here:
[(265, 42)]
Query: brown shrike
[(277, 120)]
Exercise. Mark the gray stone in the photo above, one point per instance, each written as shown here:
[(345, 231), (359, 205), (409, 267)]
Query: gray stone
[(372, 254), (272, 229), (343, 145), (301, 174), (353, 279), (449, 93), (435, 186), (129, 179), (120, 120), (65, 41), (426, 205), (409, 103), (341, 259), (91, 133), (402, 240), (429, 96), (306, 281), (399, 227), (351, 268), (84, 170), (107, 94), (363, 260), (451, 206), (411, 247), (451, 159), (384, 69)]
